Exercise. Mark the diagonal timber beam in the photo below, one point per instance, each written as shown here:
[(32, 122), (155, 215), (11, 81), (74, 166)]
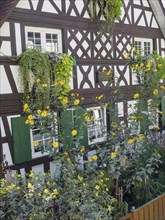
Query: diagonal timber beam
[(158, 12)]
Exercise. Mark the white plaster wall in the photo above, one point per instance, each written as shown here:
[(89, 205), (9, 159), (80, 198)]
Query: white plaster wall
[(23, 4), (5, 30), (6, 152), (2, 130), (15, 73), (18, 38), (80, 76), (5, 49), (5, 87)]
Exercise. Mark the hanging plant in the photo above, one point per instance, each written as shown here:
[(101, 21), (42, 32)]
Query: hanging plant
[(44, 78), (109, 10)]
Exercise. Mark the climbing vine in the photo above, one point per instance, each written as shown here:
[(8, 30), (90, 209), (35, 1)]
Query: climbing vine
[(44, 78)]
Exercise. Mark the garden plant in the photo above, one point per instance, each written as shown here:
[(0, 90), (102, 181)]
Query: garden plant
[(126, 170)]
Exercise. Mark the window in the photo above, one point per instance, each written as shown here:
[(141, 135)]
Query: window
[(93, 132), (44, 39), (143, 45), (45, 139), (96, 126)]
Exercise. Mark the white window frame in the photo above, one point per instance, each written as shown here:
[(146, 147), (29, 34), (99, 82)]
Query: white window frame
[(39, 153), (144, 40), (43, 32), (103, 114)]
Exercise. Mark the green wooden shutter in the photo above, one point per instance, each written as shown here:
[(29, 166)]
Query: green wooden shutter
[(81, 126), (163, 111), (143, 111), (74, 119), (67, 126), (21, 140)]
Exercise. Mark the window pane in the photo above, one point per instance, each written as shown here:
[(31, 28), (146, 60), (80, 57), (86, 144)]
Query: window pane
[(30, 34), (37, 35), (48, 36)]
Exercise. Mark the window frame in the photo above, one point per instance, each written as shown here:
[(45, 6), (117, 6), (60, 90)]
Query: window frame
[(143, 41), (43, 139), (43, 32), (101, 139)]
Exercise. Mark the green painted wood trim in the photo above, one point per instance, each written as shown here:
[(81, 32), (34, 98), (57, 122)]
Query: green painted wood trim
[(21, 140)]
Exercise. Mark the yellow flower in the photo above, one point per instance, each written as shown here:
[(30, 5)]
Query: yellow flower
[(72, 94), (157, 127), (31, 174), (141, 65), (155, 92), (30, 185), (159, 155), (27, 122), (26, 106), (141, 137), (44, 113), (94, 157), (87, 118), (39, 194), (136, 66), (159, 65), (155, 70), (35, 143), (97, 187), (61, 83), (162, 87), (136, 96), (47, 107), (100, 97), (127, 55), (80, 178), (130, 141), (133, 49), (76, 101), (82, 149), (55, 192), (113, 155), (113, 133), (30, 117), (132, 117), (31, 122), (101, 173), (82, 98), (30, 218), (107, 189), (74, 132), (109, 208), (44, 85), (39, 111), (48, 183), (64, 100), (55, 144), (38, 80), (46, 191)]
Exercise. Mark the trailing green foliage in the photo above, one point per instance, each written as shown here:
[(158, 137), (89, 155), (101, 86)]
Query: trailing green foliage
[(110, 10)]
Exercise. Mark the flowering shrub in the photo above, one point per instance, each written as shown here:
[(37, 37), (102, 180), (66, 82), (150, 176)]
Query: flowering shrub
[(101, 186)]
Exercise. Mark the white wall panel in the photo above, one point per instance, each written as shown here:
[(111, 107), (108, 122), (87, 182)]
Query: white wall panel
[(23, 4), (15, 73), (5, 87), (6, 152), (5, 48), (2, 130), (5, 30), (18, 38)]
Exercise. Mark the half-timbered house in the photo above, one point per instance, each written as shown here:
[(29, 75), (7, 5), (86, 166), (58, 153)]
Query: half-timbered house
[(67, 24)]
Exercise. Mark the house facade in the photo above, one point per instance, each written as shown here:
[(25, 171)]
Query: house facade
[(64, 26)]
